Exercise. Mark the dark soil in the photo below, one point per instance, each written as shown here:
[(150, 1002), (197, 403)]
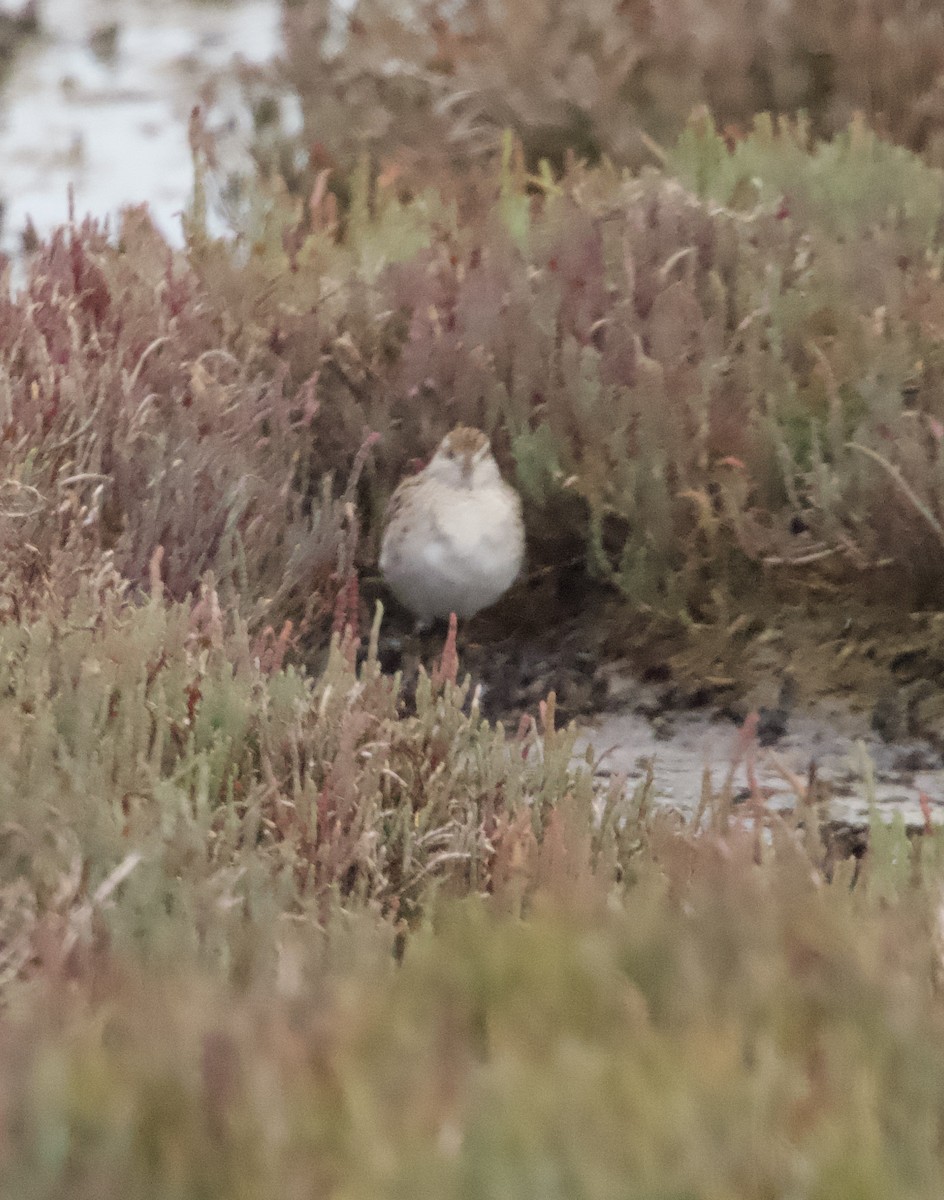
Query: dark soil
[(563, 632), (15, 28), (821, 679)]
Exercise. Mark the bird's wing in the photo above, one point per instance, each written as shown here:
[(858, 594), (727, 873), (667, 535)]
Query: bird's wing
[(399, 501)]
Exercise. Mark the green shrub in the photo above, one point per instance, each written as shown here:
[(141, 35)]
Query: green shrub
[(692, 372)]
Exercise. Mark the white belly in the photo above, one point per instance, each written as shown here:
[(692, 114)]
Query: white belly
[(460, 558)]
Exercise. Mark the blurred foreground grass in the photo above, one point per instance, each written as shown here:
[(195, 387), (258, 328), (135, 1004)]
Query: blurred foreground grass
[(262, 935)]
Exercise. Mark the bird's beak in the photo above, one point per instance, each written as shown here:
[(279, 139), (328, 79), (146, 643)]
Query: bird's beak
[(467, 469)]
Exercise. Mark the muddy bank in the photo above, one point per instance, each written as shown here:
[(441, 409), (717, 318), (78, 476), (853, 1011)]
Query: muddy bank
[(847, 703)]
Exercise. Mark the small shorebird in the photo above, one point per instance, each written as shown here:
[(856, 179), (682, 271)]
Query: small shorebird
[(453, 538)]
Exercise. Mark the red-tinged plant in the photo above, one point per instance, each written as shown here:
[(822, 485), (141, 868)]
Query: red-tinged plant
[(446, 670)]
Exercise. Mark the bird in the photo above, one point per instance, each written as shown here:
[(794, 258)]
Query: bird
[(453, 538)]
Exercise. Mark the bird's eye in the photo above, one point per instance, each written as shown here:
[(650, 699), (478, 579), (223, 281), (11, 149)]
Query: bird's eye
[(450, 453)]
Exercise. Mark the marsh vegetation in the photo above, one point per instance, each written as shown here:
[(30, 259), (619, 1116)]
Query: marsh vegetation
[(288, 904)]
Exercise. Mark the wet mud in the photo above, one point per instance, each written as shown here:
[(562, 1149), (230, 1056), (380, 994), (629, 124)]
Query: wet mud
[(841, 708)]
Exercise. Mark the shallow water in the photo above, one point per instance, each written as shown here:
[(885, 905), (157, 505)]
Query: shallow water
[(853, 763), (115, 126)]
